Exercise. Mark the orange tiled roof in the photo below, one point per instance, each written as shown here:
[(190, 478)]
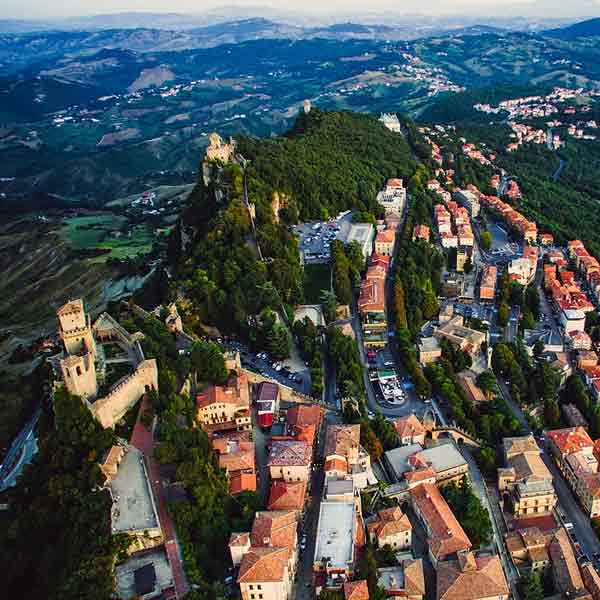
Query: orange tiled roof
[(471, 578), (340, 438), (356, 590), (241, 481), (264, 564), (570, 439), (389, 521), (336, 464), (274, 528), (408, 426), (287, 495), (447, 536)]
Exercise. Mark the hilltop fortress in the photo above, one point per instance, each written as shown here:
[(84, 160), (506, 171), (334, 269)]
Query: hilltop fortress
[(93, 355)]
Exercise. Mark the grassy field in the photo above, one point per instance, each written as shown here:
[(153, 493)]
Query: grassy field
[(87, 232), (105, 232), (316, 279)]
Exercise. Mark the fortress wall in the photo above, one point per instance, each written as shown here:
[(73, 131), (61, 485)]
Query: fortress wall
[(110, 409)]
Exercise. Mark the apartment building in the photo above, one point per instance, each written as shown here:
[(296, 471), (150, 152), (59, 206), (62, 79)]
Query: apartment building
[(445, 536), (390, 527), (565, 570), (573, 451), (525, 478), (406, 580), (460, 336), (528, 549), (393, 197), (290, 460), (222, 408), (471, 577), (410, 430), (345, 457), (487, 286)]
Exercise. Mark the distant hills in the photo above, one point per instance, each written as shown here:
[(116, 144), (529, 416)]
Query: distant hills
[(589, 28)]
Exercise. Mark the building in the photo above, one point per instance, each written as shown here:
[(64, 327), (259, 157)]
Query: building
[(290, 460), (521, 270), (356, 590), (572, 320), (462, 337), (410, 430), (429, 350), (405, 580), (567, 578), (287, 495), (304, 421), (238, 461), (335, 542), (573, 416), (528, 549), (219, 150), (371, 306), (445, 536), (443, 462), (390, 527), (393, 197), (384, 242), (591, 580), (573, 450), (420, 232), (267, 556), (487, 287), (222, 408), (470, 577), (470, 200), (362, 234), (267, 403), (345, 457), (525, 479), (88, 372), (390, 121)]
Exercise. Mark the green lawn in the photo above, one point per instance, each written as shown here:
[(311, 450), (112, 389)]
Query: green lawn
[(316, 279), (87, 232), (103, 231)]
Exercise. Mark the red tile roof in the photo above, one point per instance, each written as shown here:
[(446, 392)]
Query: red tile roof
[(356, 590), (264, 564), (293, 453), (287, 495), (274, 528), (447, 536), (570, 439)]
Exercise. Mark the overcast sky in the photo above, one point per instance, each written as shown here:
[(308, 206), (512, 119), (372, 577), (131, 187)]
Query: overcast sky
[(31, 9)]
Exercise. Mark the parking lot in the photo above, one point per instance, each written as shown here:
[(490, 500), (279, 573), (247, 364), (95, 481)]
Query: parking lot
[(281, 371), (315, 238)]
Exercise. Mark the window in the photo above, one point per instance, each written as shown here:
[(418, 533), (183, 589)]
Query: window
[(251, 586), (260, 597), (252, 596)]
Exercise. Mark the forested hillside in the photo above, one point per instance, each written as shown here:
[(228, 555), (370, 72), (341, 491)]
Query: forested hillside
[(329, 162)]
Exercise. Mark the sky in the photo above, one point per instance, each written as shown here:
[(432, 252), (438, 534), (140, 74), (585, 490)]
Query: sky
[(42, 9)]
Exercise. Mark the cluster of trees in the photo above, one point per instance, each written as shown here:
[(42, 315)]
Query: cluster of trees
[(311, 349), (469, 511), (489, 422), (531, 382), (419, 270), (344, 354), (327, 163), (57, 542), (575, 392), (347, 264), (271, 335)]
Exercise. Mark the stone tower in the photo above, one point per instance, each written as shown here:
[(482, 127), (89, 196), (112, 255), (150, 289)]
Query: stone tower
[(75, 329), (79, 375)]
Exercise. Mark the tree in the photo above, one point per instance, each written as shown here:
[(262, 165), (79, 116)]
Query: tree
[(208, 362), (468, 266), (532, 588), (329, 305), (399, 305), (487, 382), (503, 314), (469, 511), (487, 460), (431, 305), (551, 413), (486, 240)]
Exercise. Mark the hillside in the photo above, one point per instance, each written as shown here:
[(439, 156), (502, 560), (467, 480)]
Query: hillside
[(588, 28), (328, 162)]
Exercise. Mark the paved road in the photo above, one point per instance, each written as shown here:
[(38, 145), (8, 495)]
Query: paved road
[(481, 491), (21, 452), (143, 440)]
